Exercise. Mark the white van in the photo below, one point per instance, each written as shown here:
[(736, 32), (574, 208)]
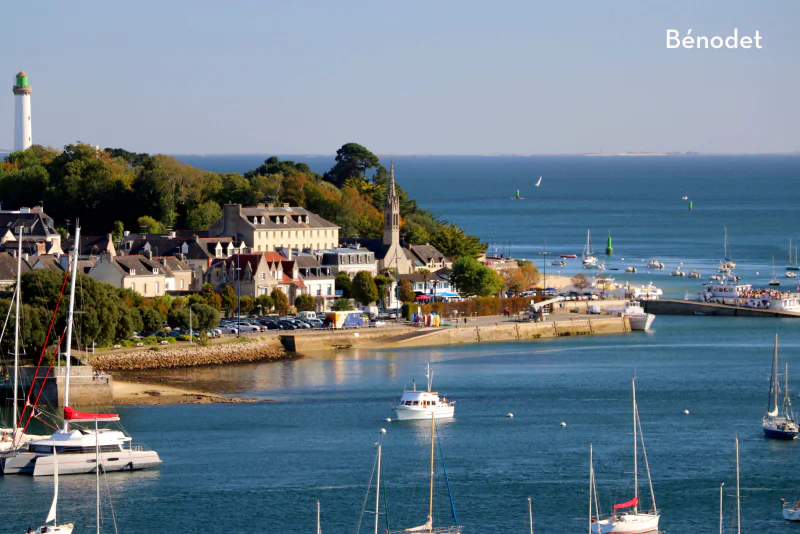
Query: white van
[(307, 314)]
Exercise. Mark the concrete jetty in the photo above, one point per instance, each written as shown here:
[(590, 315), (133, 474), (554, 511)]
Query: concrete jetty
[(690, 307)]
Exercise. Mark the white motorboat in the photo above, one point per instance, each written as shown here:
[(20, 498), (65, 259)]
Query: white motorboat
[(630, 269), (790, 274), (587, 257), (415, 405), (684, 197), (714, 277), (55, 528), (677, 272), (642, 292), (75, 444), (634, 521), (791, 512), (638, 318), (779, 421), (655, 264), (694, 274), (559, 263)]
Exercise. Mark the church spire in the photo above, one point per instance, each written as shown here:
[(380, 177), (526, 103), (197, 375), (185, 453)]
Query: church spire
[(391, 213), (391, 191)]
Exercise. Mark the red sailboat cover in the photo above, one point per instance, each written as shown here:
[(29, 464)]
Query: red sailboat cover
[(632, 502), (72, 415)]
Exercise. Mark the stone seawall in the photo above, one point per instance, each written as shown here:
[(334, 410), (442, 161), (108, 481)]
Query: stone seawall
[(170, 358)]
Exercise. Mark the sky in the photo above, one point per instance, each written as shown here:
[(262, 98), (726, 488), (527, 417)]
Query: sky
[(412, 77)]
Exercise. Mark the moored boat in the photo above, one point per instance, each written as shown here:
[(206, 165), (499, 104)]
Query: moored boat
[(415, 405), (568, 256), (677, 272), (655, 264), (694, 274), (779, 421), (638, 318)]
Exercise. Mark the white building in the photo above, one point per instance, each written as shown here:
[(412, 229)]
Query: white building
[(23, 138)]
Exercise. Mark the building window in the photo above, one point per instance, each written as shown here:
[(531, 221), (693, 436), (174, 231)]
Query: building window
[(133, 286), (145, 288), (330, 290), (181, 283), (263, 276), (156, 288)]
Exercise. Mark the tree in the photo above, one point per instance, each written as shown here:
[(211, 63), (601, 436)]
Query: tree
[(148, 225), (342, 305), (530, 273), (364, 289), (281, 301), (451, 241), (305, 303), (406, 291), (202, 216), (247, 304), (230, 302), (580, 282), (152, 320), (264, 303), (472, 279), (384, 285), (118, 233), (204, 316), (211, 297), (515, 281), (352, 160), (344, 284)]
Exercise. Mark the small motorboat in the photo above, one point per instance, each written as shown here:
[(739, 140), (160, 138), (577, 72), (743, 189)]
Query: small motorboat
[(655, 264), (774, 282), (630, 269), (714, 277), (568, 256), (694, 274), (423, 404), (684, 197), (559, 263), (790, 274), (677, 272)]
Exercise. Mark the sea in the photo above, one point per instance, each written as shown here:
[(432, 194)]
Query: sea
[(262, 467)]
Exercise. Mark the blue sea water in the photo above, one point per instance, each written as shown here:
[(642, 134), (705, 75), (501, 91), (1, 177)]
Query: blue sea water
[(261, 467)]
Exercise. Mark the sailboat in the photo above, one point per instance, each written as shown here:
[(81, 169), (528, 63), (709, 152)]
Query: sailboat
[(793, 264), (539, 182), (588, 257), (727, 263), (779, 421), (55, 528), (774, 281), (78, 444), (633, 522)]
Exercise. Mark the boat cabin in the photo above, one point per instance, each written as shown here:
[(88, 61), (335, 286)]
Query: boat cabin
[(422, 399)]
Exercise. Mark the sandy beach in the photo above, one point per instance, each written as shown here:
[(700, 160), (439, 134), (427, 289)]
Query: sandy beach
[(139, 393)]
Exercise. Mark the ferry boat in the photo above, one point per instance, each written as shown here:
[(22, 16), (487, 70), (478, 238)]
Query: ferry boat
[(731, 291), (779, 421), (415, 405)]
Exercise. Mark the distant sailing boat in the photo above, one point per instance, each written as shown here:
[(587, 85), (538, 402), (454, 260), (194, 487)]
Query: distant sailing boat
[(539, 182), (51, 516), (634, 522), (774, 281), (793, 263), (777, 425), (588, 257), (727, 263)]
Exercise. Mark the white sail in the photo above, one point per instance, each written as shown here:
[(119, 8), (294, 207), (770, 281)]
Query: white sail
[(427, 527), (539, 182), (52, 515)]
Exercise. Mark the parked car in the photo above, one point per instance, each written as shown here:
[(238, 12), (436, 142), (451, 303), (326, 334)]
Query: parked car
[(286, 325), (271, 325), (377, 324), (315, 323)]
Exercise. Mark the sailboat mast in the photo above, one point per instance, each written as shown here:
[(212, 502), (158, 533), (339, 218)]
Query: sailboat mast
[(70, 317), (787, 401), (635, 453), (319, 530), (378, 484), (738, 500), (775, 379), (720, 506), (16, 331), (96, 462), (530, 514), (591, 484), (433, 433)]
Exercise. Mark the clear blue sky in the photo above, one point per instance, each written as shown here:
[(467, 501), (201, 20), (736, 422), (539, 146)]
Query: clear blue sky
[(443, 77)]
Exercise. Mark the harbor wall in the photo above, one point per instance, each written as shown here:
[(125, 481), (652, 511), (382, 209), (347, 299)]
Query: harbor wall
[(87, 388), (688, 307)]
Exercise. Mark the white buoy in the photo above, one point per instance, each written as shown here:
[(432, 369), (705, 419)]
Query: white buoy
[(388, 419), (623, 259), (383, 431), (756, 272), (563, 423), (686, 412), (510, 415)]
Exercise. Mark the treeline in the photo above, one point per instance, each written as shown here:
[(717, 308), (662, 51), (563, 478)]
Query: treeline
[(113, 189)]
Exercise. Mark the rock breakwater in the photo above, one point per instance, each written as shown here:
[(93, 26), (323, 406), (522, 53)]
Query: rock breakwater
[(171, 358)]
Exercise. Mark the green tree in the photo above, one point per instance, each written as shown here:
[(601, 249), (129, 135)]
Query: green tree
[(148, 225), (247, 304), (152, 320), (471, 279), (406, 291), (203, 215), (342, 305), (364, 289), (280, 300), (305, 303), (230, 302), (451, 241), (204, 317), (344, 283), (118, 233), (352, 160), (384, 285), (265, 302), (211, 297)]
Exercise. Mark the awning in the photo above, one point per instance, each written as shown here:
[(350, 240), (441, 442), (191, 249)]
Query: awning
[(423, 297), (447, 294), (72, 415)]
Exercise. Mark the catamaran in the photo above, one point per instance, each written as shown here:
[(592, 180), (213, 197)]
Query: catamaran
[(423, 404), (779, 421), (633, 522), (588, 257), (76, 444)]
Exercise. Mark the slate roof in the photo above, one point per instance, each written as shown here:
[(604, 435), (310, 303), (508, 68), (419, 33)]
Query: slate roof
[(8, 266), (272, 218)]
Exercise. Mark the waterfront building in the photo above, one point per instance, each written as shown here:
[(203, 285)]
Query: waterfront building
[(23, 138), (435, 285), (267, 227), (317, 280), (261, 273), (136, 272), (350, 260)]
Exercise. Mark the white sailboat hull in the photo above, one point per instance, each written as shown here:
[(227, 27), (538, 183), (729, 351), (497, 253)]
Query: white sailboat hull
[(414, 413), (59, 529), (627, 523), (29, 463)]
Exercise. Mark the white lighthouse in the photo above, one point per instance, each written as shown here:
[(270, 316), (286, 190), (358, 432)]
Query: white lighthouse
[(22, 113)]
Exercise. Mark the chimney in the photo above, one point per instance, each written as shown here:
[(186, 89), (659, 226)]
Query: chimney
[(148, 254), (173, 233), (285, 204), (126, 233)]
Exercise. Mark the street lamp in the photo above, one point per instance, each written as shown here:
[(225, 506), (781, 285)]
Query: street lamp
[(544, 254), (239, 295), (435, 283)]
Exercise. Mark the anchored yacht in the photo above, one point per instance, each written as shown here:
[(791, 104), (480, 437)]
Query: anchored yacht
[(423, 404)]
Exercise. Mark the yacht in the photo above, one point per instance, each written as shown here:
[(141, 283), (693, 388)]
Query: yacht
[(587, 257), (779, 421), (76, 445), (655, 264), (638, 318), (416, 405)]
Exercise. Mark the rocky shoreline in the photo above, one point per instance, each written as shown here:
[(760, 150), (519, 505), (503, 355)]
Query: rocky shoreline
[(173, 358)]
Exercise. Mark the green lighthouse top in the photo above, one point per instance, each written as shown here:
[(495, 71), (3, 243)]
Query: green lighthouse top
[(22, 78)]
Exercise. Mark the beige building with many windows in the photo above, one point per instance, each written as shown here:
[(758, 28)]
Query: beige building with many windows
[(267, 227)]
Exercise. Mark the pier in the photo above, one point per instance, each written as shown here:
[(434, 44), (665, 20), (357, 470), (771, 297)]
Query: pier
[(689, 307)]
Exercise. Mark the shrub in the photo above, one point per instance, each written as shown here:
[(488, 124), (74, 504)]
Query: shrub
[(183, 337), (150, 340), (127, 343)]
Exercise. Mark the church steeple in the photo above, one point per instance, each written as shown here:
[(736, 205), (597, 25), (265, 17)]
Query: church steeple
[(391, 213)]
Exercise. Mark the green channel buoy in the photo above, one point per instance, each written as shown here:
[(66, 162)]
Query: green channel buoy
[(609, 248)]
